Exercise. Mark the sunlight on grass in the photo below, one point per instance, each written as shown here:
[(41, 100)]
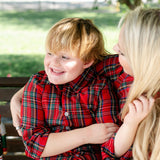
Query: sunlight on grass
[(23, 35), (22, 41), (24, 32)]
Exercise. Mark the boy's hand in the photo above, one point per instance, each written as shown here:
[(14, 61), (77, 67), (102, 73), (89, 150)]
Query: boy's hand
[(100, 133), (138, 110)]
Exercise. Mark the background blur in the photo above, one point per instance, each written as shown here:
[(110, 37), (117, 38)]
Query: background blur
[(25, 23)]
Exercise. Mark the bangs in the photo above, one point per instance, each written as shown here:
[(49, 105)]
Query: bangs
[(60, 38), (77, 36)]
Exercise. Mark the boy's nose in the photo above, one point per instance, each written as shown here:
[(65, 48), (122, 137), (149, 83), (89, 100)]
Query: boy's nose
[(55, 60)]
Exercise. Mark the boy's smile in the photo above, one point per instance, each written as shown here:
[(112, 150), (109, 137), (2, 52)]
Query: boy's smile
[(62, 67), (55, 71)]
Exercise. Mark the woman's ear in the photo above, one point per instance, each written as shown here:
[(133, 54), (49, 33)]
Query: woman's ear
[(88, 64)]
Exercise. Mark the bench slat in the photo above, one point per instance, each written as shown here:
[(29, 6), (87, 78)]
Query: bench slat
[(13, 81), (5, 110), (10, 129), (16, 157), (7, 93), (15, 145)]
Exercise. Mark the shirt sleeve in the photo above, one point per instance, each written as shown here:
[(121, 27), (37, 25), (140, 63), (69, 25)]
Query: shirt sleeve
[(107, 150), (113, 100), (108, 112), (34, 131), (113, 71)]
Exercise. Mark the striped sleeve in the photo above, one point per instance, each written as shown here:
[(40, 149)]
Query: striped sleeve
[(34, 132)]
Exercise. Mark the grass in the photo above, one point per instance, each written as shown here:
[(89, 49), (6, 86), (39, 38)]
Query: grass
[(23, 34), (20, 65)]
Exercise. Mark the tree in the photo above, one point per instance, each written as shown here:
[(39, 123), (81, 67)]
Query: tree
[(131, 4), (95, 4)]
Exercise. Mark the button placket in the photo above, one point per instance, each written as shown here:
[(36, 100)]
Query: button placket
[(66, 114), (66, 109), (67, 128)]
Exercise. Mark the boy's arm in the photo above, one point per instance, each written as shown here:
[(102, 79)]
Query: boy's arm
[(82, 136), (138, 110), (58, 143)]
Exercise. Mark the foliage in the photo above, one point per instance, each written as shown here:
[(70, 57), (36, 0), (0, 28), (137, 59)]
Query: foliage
[(20, 65), (23, 34), (132, 4)]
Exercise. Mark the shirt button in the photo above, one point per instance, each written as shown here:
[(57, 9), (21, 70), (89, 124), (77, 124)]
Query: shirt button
[(77, 155), (67, 128), (66, 114)]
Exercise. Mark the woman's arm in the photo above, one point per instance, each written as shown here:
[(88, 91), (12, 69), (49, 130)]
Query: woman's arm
[(138, 110), (15, 106)]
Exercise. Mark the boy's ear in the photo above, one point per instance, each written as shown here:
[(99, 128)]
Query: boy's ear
[(88, 64)]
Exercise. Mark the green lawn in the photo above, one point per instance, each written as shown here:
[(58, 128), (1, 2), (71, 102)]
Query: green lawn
[(22, 36)]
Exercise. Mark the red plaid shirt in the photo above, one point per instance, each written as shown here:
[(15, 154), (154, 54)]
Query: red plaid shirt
[(93, 97)]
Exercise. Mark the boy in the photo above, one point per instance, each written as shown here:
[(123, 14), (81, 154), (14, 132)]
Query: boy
[(60, 104), (68, 95)]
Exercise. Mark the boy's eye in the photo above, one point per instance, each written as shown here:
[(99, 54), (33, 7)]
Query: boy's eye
[(65, 57), (49, 54)]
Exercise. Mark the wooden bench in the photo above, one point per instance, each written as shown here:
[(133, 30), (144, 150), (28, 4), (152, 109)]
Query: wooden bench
[(15, 147)]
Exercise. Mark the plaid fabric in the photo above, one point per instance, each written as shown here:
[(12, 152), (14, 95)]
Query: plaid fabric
[(111, 69), (90, 98)]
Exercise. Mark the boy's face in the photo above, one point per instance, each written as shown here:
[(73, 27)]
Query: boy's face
[(62, 68)]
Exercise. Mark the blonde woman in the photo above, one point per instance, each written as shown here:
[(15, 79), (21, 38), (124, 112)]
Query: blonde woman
[(138, 48), (139, 54)]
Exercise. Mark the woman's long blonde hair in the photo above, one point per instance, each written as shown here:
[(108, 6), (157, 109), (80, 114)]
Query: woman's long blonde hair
[(141, 39)]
